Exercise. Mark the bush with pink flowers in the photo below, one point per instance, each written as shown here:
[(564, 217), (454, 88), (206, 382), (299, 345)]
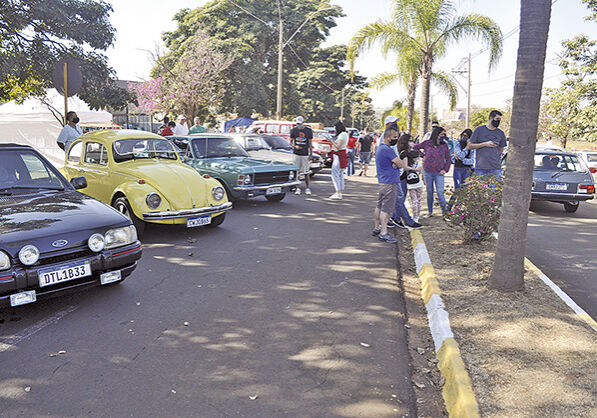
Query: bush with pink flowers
[(476, 207)]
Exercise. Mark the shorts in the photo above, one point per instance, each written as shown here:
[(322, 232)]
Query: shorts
[(303, 163), (386, 199), (365, 157)]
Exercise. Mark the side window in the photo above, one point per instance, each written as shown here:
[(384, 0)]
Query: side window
[(96, 153), (199, 147), (74, 154), (271, 129), (285, 129)]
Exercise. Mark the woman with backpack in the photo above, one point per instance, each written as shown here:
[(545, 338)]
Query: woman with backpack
[(436, 164), (463, 159)]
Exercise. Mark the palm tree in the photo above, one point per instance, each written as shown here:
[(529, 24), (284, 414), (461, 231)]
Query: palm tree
[(508, 268), (427, 27)]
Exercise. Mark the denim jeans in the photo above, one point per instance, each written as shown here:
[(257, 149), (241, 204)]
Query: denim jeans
[(400, 211), (337, 174), (481, 172), (434, 181), (460, 175), (350, 169)]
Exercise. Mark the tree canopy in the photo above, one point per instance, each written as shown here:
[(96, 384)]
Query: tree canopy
[(35, 34)]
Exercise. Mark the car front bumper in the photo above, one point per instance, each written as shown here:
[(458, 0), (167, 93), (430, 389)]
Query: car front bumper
[(561, 197), (186, 213), (21, 278), (261, 189)]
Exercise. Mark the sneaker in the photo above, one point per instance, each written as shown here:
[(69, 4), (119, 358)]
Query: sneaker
[(391, 225), (397, 223), (375, 232), (415, 225), (388, 238), (336, 196), (428, 215), (308, 191), (298, 191)]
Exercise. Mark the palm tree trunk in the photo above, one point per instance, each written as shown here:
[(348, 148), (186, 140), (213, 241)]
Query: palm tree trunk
[(412, 90), (508, 268), (426, 86)]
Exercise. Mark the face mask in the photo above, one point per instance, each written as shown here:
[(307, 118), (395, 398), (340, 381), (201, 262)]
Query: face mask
[(496, 123), (393, 142), (76, 120)]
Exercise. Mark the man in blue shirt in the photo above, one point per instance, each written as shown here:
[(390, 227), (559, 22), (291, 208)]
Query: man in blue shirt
[(388, 166)]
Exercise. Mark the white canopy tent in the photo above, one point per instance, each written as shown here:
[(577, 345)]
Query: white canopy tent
[(35, 123)]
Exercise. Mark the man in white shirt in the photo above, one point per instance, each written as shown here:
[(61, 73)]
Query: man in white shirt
[(181, 126), (70, 132)]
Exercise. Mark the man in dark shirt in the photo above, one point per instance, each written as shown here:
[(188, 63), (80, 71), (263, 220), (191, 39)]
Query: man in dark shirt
[(489, 142), (301, 137), (364, 152)]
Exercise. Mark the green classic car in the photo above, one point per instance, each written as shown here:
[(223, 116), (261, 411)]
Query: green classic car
[(221, 157)]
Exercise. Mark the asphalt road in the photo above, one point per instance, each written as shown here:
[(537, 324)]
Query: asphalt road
[(288, 308), (564, 246)]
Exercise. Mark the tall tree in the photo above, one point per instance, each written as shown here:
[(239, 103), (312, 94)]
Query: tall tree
[(35, 34), (249, 30), (508, 267), (429, 27)]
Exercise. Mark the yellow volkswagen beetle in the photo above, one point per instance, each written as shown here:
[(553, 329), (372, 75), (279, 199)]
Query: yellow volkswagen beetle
[(141, 175)]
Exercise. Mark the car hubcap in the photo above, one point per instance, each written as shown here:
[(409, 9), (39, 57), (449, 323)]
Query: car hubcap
[(121, 207)]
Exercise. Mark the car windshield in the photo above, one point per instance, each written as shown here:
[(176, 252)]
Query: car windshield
[(136, 148), (558, 162), (324, 135), (23, 170), (217, 148), (277, 142), (253, 143)]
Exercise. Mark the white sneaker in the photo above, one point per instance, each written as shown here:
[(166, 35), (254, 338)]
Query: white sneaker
[(307, 191), (336, 196), (298, 191)]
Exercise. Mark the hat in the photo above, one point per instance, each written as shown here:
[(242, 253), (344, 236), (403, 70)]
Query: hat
[(181, 117), (300, 120), (391, 119)]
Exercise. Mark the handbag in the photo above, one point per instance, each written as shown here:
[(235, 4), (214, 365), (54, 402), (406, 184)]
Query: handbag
[(412, 177)]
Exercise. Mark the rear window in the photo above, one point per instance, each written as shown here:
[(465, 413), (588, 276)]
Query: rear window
[(592, 158), (558, 162)]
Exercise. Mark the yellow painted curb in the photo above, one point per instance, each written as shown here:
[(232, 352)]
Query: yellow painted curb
[(457, 391), (416, 237), (429, 284)]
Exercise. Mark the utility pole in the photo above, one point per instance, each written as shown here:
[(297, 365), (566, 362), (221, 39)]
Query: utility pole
[(280, 64), (468, 94), (342, 107)]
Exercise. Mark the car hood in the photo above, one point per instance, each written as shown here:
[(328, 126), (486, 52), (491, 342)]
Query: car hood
[(41, 219), (242, 165), (182, 186), (268, 155)]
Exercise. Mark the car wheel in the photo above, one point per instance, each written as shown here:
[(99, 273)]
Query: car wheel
[(571, 207), (122, 205), (275, 197), (216, 221)]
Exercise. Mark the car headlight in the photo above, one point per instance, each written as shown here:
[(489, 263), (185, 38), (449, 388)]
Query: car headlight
[(120, 236), (4, 261), (96, 243), (291, 175), (247, 179), (218, 192), (153, 200), (29, 255)]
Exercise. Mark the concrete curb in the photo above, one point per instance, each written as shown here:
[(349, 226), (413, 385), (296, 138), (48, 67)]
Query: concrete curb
[(457, 391), (562, 295)]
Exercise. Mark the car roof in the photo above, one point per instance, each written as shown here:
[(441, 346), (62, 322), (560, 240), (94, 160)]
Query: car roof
[(13, 145), (111, 135), (554, 152)]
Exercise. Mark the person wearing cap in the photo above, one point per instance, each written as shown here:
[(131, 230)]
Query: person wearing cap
[(301, 139), (181, 128)]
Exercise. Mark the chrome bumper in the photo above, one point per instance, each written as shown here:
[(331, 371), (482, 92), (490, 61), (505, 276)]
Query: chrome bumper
[(266, 186), (185, 213)]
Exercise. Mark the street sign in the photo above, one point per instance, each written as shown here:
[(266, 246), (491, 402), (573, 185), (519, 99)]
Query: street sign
[(73, 79)]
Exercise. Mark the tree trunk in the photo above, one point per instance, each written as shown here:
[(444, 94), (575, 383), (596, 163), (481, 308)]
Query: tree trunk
[(426, 86), (563, 141), (412, 90), (508, 268)]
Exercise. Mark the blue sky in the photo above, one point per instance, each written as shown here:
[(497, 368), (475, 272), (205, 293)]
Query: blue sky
[(139, 24)]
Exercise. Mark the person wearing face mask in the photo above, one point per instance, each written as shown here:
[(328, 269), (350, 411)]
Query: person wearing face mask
[(489, 142), (436, 164), (463, 159), (70, 132)]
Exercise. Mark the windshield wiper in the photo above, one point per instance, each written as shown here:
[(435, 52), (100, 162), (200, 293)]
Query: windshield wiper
[(6, 190)]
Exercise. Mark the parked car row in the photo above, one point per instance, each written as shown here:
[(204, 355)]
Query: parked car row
[(79, 227)]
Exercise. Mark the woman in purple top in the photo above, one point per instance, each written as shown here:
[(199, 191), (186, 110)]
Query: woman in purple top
[(435, 165)]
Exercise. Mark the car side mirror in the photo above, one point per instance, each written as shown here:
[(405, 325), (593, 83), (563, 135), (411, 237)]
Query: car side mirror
[(79, 182)]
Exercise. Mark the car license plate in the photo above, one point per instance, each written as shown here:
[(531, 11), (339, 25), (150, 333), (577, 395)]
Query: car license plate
[(199, 221), (64, 273), (556, 186), (273, 190)]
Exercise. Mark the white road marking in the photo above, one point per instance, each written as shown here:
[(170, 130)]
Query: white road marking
[(8, 343)]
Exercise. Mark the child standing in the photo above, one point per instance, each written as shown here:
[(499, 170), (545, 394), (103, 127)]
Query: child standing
[(414, 183)]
